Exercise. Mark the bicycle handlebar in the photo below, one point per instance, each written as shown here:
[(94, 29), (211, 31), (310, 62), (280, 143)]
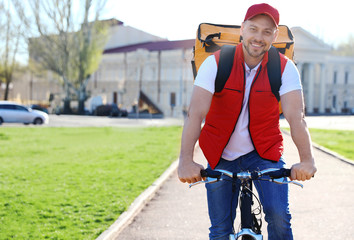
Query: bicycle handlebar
[(271, 172), (276, 175)]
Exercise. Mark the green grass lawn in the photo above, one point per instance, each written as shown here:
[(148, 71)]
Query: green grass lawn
[(340, 141), (73, 183)]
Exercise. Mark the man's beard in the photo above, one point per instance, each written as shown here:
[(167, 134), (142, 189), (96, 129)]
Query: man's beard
[(254, 54)]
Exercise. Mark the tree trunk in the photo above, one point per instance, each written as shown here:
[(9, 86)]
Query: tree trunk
[(7, 90), (67, 99), (82, 99), (81, 110), (67, 108)]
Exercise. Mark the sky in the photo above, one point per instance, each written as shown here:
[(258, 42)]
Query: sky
[(331, 21)]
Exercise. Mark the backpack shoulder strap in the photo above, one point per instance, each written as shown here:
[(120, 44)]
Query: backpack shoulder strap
[(274, 71), (225, 63)]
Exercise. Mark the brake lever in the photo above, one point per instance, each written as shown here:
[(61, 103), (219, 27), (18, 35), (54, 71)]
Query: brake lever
[(285, 180), (208, 180)]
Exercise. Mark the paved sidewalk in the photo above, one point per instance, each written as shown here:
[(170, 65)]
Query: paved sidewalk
[(323, 209)]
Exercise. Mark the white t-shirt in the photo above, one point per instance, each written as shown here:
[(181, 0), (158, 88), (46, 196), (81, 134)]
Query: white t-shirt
[(240, 142)]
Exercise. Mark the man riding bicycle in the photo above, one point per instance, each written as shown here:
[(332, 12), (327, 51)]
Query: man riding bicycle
[(241, 130)]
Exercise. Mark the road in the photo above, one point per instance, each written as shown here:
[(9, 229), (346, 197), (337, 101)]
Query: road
[(94, 121), (325, 122)]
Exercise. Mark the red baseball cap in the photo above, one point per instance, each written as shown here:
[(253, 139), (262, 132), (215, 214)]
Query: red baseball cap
[(263, 8)]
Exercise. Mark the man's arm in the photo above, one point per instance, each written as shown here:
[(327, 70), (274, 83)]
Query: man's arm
[(293, 110), (188, 170)]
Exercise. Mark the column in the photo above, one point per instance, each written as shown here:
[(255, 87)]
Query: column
[(158, 76), (299, 68), (311, 83), (323, 81)]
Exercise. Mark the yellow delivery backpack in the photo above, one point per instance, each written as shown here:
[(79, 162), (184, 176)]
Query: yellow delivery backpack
[(213, 37)]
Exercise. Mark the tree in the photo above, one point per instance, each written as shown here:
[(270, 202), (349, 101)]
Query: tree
[(90, 41), (346, 48), (9, 46), (67, 44)]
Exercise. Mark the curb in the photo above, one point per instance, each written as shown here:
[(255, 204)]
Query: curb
[(327, 151), (333, 154), (128, 216)]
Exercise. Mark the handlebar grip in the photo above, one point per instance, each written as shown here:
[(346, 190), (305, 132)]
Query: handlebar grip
[(210, 173), (283, 172), (287, 172), (203, 173)]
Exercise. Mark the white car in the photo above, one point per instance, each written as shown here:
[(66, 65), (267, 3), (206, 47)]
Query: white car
[(15, 113)]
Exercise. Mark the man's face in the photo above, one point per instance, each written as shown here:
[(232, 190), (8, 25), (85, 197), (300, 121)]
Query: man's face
[(258, 34)]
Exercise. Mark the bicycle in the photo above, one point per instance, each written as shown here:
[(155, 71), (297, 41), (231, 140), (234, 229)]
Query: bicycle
[(250, 225)]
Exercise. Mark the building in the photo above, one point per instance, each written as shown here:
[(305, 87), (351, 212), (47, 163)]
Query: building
[(328, 80), (162, 71), (159, 71), (140, 69)]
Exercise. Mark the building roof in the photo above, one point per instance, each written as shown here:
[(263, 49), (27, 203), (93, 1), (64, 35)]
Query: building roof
[(308, 42), (113, 22), (153, 46)]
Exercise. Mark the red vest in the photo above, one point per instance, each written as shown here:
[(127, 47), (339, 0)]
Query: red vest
[(226, 107)]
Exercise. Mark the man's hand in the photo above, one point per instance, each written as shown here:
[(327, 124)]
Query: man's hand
[(189, 172), (303, 171)]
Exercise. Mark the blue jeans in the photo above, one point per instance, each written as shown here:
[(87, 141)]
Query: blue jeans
[(222, 201)]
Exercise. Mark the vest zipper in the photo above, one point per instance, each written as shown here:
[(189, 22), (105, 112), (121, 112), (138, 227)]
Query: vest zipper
[(249, 117), (249, 98), (243, 96)]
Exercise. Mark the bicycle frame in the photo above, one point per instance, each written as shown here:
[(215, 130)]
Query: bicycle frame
[(248, 231)]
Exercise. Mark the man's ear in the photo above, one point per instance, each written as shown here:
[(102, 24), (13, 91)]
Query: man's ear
[(276, 35), (241, 29)]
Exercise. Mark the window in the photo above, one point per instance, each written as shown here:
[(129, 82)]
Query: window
[(7, 107), (335, 77), (334, 101), (20, 108), (346, 77), (173, 99), (115, 97)]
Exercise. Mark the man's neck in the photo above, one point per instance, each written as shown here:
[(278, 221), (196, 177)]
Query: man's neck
[(252, 62)]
